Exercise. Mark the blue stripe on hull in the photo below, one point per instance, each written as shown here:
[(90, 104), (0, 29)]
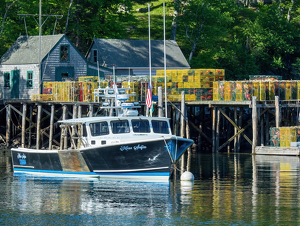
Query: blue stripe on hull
[(20, 170), (136, 174), (51, 171)]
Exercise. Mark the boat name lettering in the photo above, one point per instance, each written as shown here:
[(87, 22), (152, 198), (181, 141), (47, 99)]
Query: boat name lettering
[(139, 147), (125, 148)]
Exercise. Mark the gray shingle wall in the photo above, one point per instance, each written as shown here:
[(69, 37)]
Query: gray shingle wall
[(24, 92), (53, 60)]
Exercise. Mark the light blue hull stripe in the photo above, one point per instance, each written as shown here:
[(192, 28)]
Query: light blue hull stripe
[(92, 173), (52, 171)]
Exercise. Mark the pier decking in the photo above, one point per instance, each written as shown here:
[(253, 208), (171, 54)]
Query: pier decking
[(217, 126)]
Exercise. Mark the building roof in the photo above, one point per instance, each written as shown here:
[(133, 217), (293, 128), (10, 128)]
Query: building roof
[(125, 53), (25, 49)]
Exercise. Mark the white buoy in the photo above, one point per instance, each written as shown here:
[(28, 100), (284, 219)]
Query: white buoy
[(187, 176)]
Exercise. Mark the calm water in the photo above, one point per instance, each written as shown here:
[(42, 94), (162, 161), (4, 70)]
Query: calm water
[(229, 190)]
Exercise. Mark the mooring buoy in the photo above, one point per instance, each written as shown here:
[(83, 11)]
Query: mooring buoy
[(187, 176)]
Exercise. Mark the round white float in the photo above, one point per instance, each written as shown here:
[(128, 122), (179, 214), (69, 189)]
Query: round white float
[(187, 176)]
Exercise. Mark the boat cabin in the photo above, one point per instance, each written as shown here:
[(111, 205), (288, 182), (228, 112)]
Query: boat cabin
[(111, 130)]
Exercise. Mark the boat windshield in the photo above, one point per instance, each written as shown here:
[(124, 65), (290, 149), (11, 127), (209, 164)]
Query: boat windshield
[(99, 129), (160, 126), (140, 126), (119, 126)]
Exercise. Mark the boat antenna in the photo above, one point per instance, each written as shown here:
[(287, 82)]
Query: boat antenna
[(129, 77), (98, 73), (114, 75), (165, 63)]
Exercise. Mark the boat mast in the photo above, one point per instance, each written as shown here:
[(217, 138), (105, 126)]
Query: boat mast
[(165, 63), (40, 45)]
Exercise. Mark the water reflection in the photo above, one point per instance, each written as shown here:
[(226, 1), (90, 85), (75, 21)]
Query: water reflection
[(229, 189)]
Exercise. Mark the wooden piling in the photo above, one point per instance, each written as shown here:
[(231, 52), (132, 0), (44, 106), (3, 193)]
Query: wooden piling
[(8, 124), (235, 129), (267, 128), (30, 124), (213, 129), (218, 128), (91, 110), (277, 112), (240, 126), (160, 102), (23, 124), (182, 126), (38, 126), (254, 124), (262, 129), (51, 126)]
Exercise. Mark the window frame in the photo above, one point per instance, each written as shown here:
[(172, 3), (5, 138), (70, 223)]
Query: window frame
[(101, 124), (61, 54), (95, 57), (141, 121), (155, 128), (28, 80), (6, 81), (117, 130)]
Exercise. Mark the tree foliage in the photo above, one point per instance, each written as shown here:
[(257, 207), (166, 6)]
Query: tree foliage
[(244, 39)]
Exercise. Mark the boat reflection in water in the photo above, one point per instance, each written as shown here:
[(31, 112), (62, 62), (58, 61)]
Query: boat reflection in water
[(230, 189)]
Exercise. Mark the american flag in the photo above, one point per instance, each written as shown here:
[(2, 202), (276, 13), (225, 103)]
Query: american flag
[(149, 96)]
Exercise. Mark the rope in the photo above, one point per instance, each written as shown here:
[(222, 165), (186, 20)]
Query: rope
[(168, 150)]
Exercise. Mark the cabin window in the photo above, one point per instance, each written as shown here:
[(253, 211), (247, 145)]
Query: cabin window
[(6, 79), (29, 79), (64, 53), (140, 126), (95, 55), (99, 129), (160, 127), (120, 126)]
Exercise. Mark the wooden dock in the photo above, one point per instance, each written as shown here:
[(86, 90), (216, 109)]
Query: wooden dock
[(215, 126), (267, 150)]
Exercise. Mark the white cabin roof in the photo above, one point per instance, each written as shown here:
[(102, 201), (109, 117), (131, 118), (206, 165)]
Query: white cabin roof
[(106, 118)]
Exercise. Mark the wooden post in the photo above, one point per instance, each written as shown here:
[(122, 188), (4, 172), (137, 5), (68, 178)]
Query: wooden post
[(79, 127), (74, 116), (38, 126), (182, 124), (62, 138), (267, 128), (91, 110), (228, 128), (79, 111), (8, 124), (240, 126), (24, 124), (277, 112), (213, 129), (51, 126), (218, 129), (147, 111), (200, 127), (262, 129), (254, 124), (29, 132), (235, 129), (160, 102)]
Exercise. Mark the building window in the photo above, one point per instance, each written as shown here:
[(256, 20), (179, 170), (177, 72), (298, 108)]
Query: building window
[(64, 53), (29, 79), (95, 55), (6, 79)]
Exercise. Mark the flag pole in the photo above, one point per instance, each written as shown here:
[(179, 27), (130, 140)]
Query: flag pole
[(165, 64), (150, 57)]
